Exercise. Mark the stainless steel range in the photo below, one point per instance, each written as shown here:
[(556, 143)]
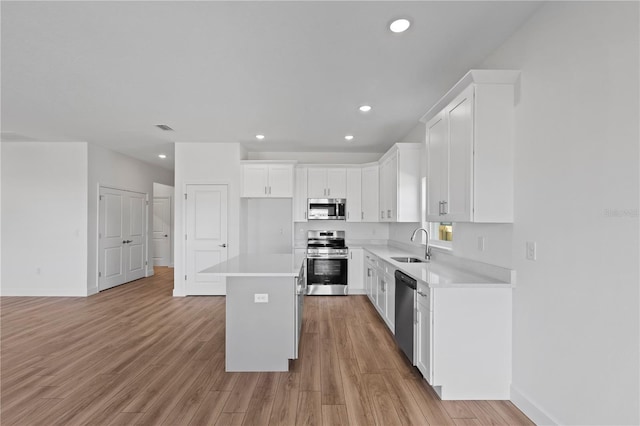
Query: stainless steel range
[(326, 263)]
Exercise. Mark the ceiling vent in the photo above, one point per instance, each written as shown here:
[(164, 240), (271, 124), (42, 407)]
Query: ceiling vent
[(164, 127)]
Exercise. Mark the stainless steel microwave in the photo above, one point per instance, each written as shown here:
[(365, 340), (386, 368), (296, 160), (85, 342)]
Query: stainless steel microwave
[(327, 209)]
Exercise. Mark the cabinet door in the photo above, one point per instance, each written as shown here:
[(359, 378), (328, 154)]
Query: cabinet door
[(390, 301), (255, 178), (392, 189), (370, 194), (423, 346), (337, 183), (317, 183), (300, 196), (460, 119), (354, 195), (354, 271), (281, 180), (436, 166), (381, 300), (383, 191)]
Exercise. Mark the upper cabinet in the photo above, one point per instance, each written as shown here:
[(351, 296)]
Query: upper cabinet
[(469, 141), (326, 182), (354, 195), (264, 180), (370, 193), (399, 186), (300, 196)]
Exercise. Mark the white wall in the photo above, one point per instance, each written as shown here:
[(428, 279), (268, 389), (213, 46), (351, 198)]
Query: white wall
[(166, 191), (354, 231), (44, 219), (318, 157), (213, 163), (112, 169), (576, 328), (269, 225)]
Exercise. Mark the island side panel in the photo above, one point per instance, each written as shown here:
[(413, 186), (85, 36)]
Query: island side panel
[(260, 336)]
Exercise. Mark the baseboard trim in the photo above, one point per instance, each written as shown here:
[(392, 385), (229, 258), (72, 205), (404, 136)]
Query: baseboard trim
[(531, 409)]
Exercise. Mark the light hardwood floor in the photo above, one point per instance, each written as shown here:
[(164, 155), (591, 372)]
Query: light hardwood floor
[(136, 355)]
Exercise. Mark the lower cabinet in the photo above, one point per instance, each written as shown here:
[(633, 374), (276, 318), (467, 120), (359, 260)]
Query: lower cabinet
[(464, 342), (354, 271), (383, 294)]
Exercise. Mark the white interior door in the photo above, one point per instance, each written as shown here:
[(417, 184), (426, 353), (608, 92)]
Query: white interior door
[(121, 236), (161, 231), (206, 239)]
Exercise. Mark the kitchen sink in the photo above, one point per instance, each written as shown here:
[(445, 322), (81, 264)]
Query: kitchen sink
[(408, 259)]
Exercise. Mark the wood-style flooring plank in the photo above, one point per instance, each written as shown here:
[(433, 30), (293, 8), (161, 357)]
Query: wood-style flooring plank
[(261, 403), (285, 404), (210, 408), (309, 409), (334, 415)]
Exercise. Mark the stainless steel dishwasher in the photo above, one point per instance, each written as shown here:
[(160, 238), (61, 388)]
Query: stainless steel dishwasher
[(405, 309)]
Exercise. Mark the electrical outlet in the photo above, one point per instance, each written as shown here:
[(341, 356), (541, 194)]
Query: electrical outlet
[(531, 250), (481, 243), (261, 298)]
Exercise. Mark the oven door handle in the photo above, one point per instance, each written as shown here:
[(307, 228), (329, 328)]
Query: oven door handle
[(320, 256)]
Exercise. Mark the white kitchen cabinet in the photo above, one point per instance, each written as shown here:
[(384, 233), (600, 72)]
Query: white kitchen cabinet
[(264, 180), (370, 276), (464, 343), (354, 195), (400, 183), (469, 141), (354, 271), (300, 203), (370, 193), (327, 182)]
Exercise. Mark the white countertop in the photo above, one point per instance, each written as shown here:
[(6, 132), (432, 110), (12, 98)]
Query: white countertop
[(435, 274), (257, 265)]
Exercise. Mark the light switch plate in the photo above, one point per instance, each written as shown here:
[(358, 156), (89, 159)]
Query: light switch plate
[(531, 250), (261, 298)]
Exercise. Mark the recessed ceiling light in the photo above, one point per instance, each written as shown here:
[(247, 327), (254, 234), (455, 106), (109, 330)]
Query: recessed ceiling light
[(164, 127), (400, 25), (365, 108), (163, 156), (349, 137), (260, 137)]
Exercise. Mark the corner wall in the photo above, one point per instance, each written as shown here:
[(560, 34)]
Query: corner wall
[(44, 219), (576, 329)]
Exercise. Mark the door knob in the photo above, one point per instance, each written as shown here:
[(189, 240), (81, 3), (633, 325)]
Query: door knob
[(222, 245), (165, 235), (127, 241)]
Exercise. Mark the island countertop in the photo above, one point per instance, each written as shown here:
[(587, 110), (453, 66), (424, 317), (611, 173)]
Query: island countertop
[(257, 265)]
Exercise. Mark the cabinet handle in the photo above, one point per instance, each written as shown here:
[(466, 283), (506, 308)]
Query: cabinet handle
[(361, 215), (422, 294), (305, 214), (265, 190), (388, 214), (445, 209), (368, 272), (347, 215), (269, 190), (381, 214), (417, 315), (329, 192)]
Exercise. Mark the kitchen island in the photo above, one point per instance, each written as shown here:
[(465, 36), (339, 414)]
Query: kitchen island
[(264, 304)]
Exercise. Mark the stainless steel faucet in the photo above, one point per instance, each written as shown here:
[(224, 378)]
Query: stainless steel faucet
[(427, 251)]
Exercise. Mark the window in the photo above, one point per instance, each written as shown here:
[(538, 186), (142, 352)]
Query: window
[(441, 234)]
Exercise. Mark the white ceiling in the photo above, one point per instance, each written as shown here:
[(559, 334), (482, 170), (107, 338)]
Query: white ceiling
[(108, 72)]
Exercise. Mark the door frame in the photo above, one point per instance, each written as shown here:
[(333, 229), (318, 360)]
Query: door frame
[(97, 231)]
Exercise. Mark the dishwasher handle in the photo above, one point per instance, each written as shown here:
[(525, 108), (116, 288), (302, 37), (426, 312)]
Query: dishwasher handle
[(402, 278)]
